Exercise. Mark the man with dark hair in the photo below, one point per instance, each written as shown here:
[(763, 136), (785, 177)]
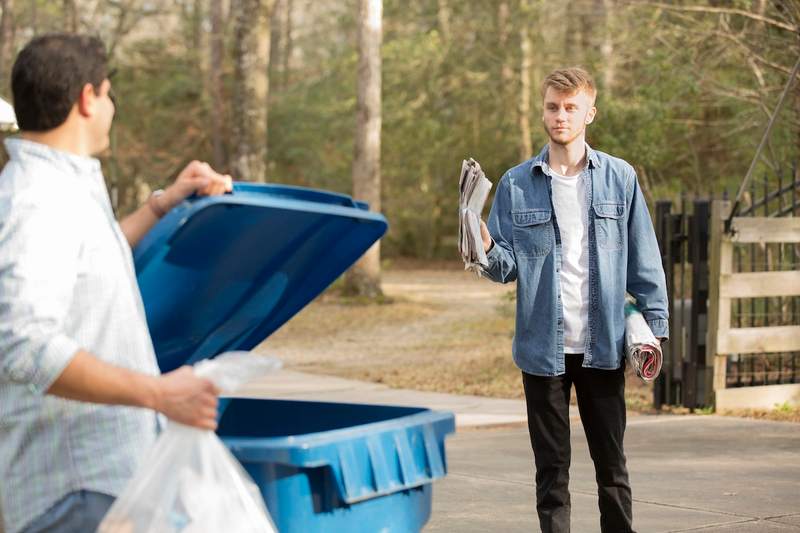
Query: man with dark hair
[(49, 74), (572, 228), (79, 383)]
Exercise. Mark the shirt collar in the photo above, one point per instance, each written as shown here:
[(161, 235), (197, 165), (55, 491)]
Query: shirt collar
[(25, 150), (541, 160)]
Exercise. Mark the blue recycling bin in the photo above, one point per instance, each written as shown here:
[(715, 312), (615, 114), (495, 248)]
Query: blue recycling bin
[(339, 467), (222, 273)]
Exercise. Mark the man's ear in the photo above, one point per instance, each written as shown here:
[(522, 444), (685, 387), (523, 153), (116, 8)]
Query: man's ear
[(86, 100), (591, 114)]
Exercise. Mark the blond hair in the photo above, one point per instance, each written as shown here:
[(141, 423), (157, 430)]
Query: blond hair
[(570, 80)]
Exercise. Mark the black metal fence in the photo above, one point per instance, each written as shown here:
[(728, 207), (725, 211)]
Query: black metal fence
[(683, 235), (682, 229)]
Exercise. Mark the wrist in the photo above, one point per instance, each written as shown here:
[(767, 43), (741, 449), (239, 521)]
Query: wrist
[(171, 197), (156, 203), (153, 396)]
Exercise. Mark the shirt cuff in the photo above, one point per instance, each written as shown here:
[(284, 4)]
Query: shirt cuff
[(40, 371), (494, 252), (659, 327)]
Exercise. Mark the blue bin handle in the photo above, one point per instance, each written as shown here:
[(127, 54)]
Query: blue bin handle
[(349, 474)]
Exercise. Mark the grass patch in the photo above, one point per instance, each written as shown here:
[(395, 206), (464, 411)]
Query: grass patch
[(334, 315), (495, 376), (781, 413)]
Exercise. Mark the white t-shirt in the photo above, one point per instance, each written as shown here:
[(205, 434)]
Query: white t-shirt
[(571, 211)]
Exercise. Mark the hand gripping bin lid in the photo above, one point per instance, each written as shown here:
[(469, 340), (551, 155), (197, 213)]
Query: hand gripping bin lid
[(222, 273)]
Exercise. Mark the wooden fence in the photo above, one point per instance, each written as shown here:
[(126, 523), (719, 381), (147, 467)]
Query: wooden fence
[(725, 285)]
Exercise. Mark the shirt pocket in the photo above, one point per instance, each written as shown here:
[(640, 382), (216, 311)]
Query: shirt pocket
[(609, 225), (533, 232)]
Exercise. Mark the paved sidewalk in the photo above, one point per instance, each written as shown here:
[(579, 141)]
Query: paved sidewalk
[(470, 411), (689, 473)]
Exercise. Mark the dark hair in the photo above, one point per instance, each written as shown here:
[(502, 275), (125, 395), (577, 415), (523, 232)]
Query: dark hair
[(49, 75)]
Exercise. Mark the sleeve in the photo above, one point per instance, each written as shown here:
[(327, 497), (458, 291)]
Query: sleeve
[(39, 259), (502, 262), (646, 281)]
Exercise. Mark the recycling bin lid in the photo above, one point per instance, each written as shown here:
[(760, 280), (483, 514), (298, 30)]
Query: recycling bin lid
[(222, 273)]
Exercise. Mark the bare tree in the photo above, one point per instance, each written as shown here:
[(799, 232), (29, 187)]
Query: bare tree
[(763, 37), (287, 43), (524, 110), (197, 19), (6, 41), (506, 72), (70, 16), (606, 7), (216, 46), (276, 47), (251, 89), (443, 14), (364, 278), (282, 43)]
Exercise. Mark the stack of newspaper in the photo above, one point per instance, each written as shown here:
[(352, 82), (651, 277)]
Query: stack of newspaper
[(474, 189), (641, 347)]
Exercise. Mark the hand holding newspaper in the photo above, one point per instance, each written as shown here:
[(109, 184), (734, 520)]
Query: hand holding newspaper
[(641, 347), (474, 189)]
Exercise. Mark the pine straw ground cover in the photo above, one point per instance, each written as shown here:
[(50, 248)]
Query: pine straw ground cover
[(438, 328)]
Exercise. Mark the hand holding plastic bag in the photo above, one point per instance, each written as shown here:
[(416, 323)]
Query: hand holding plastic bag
[(189, 482)]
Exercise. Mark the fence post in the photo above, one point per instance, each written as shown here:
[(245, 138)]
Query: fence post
[(719, 308), (662, 388), (698, 255)]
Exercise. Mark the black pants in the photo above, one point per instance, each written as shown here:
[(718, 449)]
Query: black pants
[(601, 402)]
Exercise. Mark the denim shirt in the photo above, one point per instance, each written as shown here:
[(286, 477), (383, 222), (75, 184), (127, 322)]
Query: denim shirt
[(623, 257)]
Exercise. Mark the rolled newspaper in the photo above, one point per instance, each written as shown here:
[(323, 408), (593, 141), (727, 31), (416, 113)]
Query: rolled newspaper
[(641, 347)]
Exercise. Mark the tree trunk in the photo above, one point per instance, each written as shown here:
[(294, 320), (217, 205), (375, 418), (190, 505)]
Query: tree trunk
[(251, 88), (6, 44), (607, 47), (216, 45), (524, 111), (364, 278), (287, 43), (443, 14), (70, 16), (281, 47), (506, 72), (197, 33), (276, 47)]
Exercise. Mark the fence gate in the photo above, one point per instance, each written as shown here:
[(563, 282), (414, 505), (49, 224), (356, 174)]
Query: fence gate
[(734, 299), (754, 331), (683, 237)]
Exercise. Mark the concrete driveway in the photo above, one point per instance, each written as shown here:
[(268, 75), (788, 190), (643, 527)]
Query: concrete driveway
[(689, 473), (707, 473)]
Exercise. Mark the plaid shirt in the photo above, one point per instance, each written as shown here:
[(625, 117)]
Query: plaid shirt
[(67, 282)]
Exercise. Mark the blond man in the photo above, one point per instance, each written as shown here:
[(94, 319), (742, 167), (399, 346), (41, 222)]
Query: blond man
[(572, 228)]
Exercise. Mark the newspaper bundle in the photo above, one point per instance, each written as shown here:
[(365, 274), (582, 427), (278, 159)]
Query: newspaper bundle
[(641, 347), (474, 189)]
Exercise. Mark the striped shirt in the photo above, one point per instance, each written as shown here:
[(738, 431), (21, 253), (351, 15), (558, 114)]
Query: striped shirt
[(67, 282)]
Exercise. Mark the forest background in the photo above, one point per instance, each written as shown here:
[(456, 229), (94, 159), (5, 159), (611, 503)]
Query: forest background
[(267, 90)]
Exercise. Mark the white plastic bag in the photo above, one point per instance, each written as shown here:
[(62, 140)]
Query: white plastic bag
[(189, 482)]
